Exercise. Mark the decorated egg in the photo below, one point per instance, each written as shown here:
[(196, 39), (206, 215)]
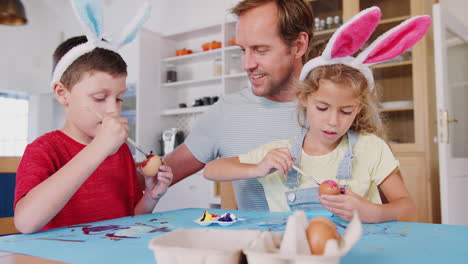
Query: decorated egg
[(329, 187), (150, 166), (319, 231)]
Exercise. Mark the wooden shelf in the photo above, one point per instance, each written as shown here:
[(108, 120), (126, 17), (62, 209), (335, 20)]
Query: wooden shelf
[(185, 111), (193, 82), (392, 64), (397, 109), (393, 20), (325, 32)]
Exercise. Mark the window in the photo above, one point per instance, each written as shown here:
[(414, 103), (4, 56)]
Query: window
[(14, 110)]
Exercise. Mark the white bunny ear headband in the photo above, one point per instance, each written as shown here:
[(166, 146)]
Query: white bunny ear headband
[(89, 13), (353, 34)]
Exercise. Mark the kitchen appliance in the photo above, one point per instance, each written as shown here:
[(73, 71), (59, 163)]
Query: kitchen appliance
[(171, 138)]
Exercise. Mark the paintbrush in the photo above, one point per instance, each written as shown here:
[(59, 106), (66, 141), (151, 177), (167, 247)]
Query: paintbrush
[(129, 140), (303, 173)]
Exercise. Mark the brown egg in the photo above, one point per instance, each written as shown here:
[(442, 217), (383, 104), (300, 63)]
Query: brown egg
[(150, 166), (319, 231), (329, 187)]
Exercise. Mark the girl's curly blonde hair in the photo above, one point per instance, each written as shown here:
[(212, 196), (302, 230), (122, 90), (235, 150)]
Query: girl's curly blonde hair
[(368, 120)]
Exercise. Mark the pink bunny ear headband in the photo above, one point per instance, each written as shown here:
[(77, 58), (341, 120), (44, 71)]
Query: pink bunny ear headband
[(89, 13), (353, 34)]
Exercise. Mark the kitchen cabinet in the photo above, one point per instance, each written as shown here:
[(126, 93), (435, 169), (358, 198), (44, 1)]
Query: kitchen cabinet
[(406, 90)]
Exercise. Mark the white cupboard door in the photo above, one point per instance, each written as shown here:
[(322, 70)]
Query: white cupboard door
[(451, 66)]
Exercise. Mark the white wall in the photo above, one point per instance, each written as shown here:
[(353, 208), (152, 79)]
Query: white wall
[(458, 8)]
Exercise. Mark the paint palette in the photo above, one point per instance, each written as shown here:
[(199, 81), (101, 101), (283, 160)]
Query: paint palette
[(226, 219)]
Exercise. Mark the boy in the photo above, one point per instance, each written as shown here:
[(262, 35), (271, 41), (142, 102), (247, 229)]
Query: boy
[(83, 172)]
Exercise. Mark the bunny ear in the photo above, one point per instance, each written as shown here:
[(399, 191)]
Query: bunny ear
[(396, 41), (131, 29), (89, 13), (353, 34)]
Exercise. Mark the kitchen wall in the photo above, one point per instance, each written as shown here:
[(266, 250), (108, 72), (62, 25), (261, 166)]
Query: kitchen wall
[(26, 50)]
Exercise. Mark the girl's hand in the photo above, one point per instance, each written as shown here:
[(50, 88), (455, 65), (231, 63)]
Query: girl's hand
[(277, 159), (344, 204), (157, 185)]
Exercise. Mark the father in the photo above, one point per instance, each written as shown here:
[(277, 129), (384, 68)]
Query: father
[(274, 36)]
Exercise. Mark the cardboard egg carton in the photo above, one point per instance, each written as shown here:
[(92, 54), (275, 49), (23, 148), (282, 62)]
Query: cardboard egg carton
[(214, 246)]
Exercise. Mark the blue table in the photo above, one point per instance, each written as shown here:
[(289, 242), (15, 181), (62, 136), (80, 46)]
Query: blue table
[(125, 240)]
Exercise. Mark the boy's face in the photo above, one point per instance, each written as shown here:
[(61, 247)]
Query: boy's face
[(331, 111), (97, 91)]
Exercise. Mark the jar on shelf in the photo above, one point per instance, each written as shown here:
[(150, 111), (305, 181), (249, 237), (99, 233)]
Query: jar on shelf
[(217, 67), (171, 73), (235, 65)]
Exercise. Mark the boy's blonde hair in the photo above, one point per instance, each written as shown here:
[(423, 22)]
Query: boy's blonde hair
[(368, 119)]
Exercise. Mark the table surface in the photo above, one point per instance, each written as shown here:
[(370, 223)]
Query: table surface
[(125, 240)]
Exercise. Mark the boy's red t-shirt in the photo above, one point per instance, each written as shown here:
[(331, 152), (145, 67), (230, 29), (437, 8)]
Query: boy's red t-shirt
[(111, 191)]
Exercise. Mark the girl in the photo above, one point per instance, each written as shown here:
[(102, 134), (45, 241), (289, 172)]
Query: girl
[(341, 142)]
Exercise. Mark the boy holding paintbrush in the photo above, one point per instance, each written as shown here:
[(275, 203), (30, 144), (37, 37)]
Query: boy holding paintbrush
[(84, 172)]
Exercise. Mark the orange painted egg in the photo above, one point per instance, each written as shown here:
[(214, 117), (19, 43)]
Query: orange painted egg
[(329, 187), (319, 231), (150, 166)]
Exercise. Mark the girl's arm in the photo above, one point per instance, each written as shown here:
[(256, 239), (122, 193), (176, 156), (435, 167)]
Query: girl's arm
[(400, 206), (228, 169)]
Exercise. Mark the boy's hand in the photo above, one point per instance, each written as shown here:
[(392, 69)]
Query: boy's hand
[(277, 159), (344, 204), (112, 133), (157, 185)]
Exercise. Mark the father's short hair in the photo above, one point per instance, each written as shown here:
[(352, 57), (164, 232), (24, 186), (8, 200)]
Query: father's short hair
[(97, 60), (294, 16)]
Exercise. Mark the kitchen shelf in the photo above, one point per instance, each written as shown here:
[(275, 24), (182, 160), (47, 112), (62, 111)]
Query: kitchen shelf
[(396, 109), (325, 32), (393, 20), (193, 82), (236, 75), (230, 48), (184, 111), (194, 57), (391, 64)]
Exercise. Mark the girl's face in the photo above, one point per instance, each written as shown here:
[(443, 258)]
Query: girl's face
[(331, 111), (99, 92)]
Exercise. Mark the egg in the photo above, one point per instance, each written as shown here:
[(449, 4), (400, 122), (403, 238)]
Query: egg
[(329, 187), (319, 231), (150, 166)]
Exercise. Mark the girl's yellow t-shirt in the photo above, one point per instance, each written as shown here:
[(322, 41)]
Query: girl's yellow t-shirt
[(373, 161)]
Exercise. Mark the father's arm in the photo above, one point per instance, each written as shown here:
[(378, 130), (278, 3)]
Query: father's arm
[(183, 163)]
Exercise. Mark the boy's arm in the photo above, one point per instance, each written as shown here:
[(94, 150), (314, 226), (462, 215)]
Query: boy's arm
[(43, 202), (155, 187)]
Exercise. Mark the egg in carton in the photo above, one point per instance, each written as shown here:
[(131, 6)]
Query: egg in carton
[(304, 242)]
